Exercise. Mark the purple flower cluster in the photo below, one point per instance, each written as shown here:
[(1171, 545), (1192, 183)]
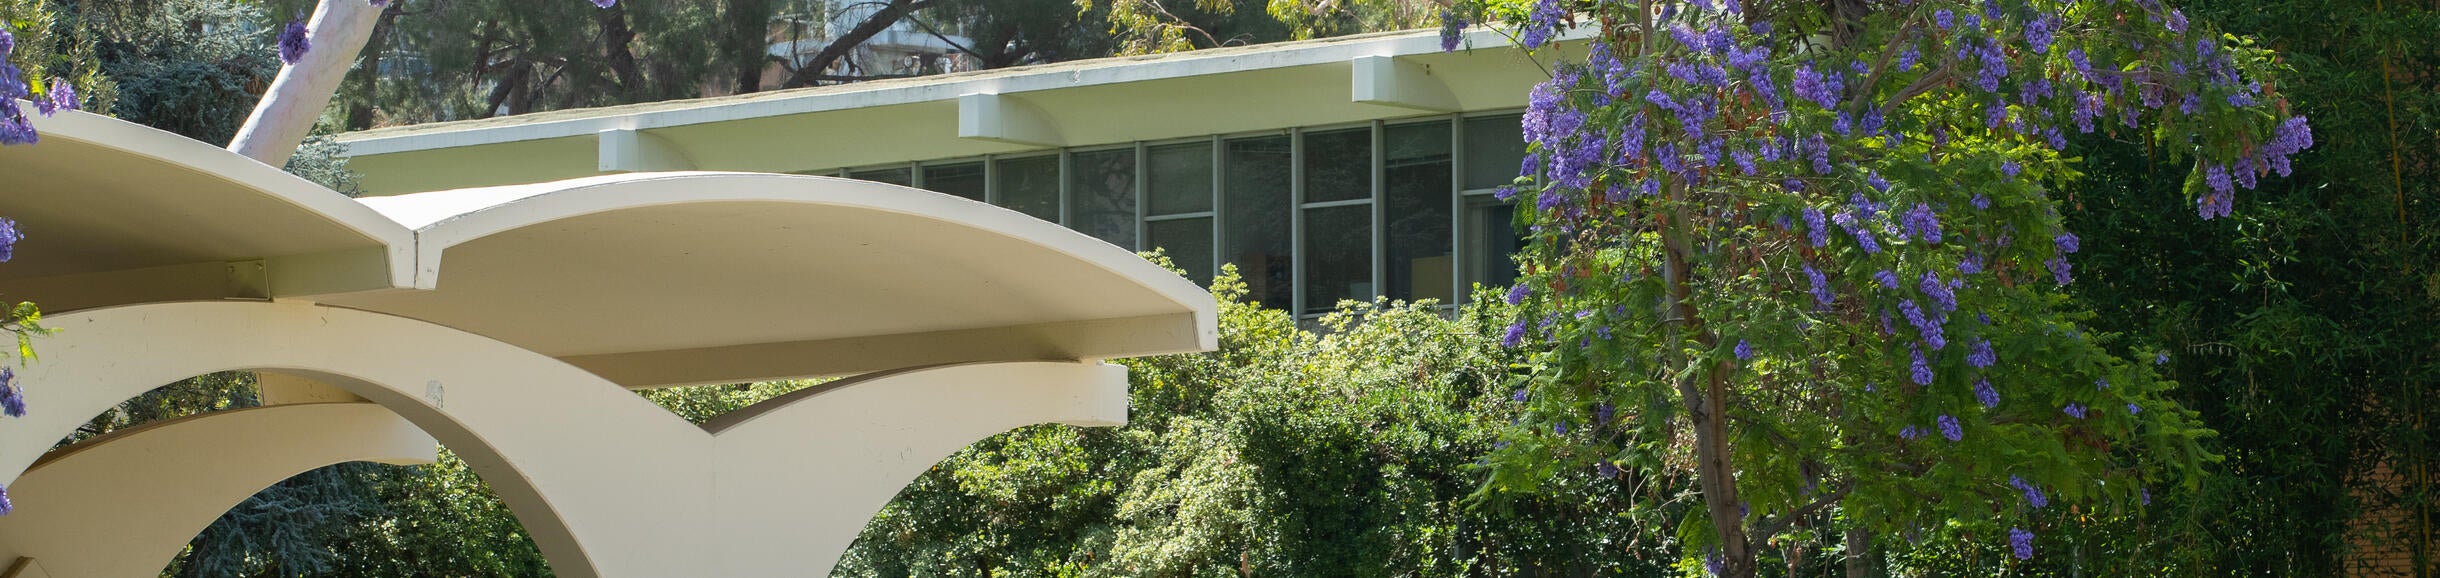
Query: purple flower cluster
[(2022, 542), (1922, 223), (15, 128), (1544, 21), (1515, 335), (9, 236), (293, 42), (1822, 90), (1922, 370), (1745, 351), (12, 398), (1887, 279), (1950, 429), (1909, 433), (2033, 493), (2073, 409), (2133, 409), (1517, 293), (1985, 394), (1821, 287), (1926, 325), (1816, 230), (1979, 354), (1452, 29), (1938, 292)]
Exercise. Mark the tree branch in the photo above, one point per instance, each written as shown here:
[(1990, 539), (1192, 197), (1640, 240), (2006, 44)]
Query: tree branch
[(300, 92), (838, 48)]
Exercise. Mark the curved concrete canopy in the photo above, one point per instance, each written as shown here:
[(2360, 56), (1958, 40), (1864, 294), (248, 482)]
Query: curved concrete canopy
[(117, 213), (649, 279), (678, 278)]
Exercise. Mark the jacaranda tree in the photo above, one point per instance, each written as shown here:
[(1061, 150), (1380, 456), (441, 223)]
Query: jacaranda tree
[(1808, 254)]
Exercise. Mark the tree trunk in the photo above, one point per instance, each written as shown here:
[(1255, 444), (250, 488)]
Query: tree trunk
[(616, 42), (298, 95), (366, 77), (749, 24), (839, 47), (1859, 555), (1706, 403)]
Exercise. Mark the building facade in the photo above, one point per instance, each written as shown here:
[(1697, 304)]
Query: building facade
[(1329, 170)]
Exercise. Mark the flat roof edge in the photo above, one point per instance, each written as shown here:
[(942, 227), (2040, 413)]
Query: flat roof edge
[(1054, 76)]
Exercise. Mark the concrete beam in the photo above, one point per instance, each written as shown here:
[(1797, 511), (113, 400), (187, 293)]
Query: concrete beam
[(1390, 81), (1007, 119), (275, 388), (626, 150)]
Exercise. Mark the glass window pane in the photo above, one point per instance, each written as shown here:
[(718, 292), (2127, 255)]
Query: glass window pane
[(1495, 147), (961, 179), (1102, 187), (1492, 246), (901, 176), (1338, 256), (1257, 218), (1417, 184), (1338, 165), (1188, 243), (1181, 176), (1030, 185)]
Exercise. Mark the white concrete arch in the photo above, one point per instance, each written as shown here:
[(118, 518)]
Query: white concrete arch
[(607, 483), (871, 435), (577, 458), (121, 506)]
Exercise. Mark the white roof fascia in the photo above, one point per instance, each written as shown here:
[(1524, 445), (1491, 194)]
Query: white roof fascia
[(1056, 76)]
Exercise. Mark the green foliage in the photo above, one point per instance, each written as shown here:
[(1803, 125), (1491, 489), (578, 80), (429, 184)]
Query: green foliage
[(1347, 452), (191, 67), (51, 47)]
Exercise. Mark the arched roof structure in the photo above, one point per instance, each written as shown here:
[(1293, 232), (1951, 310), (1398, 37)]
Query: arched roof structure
[(506, 321), (649, 279)]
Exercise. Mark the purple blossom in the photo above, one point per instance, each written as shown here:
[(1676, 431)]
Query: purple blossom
[(2060, 270), (1812, 86), (2073, 409), (63, 95), (2033, 494), (9, 236), (1971, 264), (2177, 21), (1922, 223), (1985, 394), (1888, 279), (1815, 231), (1515, 336), (1979, 353), (1605, 469), (1909, 433), (1980, 201), (1821, 287), (1944, 18), (1519, 396), (293, 42), (2101, 384), (1928, 326), (1517, 293), (2133, 409), (1745, 351), (1544, 20), (2066, 242), (1950, 429), (1452, 29), (1938, 291), (604, 3), (1922, 369), (12, 398), (2022, 542), (2160, 358), (2038, 33), (5, 505), (1602, 413)]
